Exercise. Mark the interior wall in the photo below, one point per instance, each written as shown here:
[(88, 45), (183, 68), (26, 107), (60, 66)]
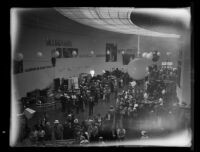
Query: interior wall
[(33, 34)]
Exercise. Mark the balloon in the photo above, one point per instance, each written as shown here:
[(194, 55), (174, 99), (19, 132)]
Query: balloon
[(158, 53), (163, 91), (123, 52), (92, 72), (57, 54), (144, 55), (145, 95), (92, 52), (149, 56), (39, 54), (19, 57), (133, 83), (137, 68), (108, 52), (168, 53), (74, 53)]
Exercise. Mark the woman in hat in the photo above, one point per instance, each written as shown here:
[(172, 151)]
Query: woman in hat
[(121, 132)]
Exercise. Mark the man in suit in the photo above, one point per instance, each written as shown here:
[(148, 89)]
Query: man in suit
[(91, 105), (63, 103), (67, 101)]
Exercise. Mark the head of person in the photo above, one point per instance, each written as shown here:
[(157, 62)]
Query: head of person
[(56, 122)]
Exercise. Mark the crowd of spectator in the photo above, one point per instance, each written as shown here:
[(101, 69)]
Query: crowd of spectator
[(95, 129), (91, 90), (151, 94)]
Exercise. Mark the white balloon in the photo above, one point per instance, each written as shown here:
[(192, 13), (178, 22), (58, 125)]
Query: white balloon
[(57, 54), (144, 55), (137, 68), (92, 52), (163, 91), (145, 95), (92, 72), (149, 56), (74, 53), (168, 53), (133, 83), (39, 54), (158, 53), (19, 57)]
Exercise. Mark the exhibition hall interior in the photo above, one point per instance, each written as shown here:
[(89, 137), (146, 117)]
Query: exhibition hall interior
[(101, 76)]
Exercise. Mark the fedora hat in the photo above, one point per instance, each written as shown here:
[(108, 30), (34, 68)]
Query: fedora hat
[(56, 121)]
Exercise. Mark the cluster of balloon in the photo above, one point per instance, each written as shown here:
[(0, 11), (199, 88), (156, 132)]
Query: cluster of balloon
[(19, 57), (137, 68), (156, 56), (148, 57)]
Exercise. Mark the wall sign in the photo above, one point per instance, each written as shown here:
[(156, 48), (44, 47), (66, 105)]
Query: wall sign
[(58, 43), (37, 68)]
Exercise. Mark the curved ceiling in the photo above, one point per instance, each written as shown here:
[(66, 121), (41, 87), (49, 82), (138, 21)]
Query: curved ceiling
[(169, 20), (109, 18)]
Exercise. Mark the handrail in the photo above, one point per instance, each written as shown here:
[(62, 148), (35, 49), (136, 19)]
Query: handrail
[(46, 104)]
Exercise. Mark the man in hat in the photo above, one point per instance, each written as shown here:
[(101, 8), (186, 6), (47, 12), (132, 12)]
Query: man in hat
[(58, 130), (48, 131)]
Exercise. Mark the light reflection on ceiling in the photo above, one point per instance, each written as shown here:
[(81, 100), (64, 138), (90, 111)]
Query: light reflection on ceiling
[(112, 19)]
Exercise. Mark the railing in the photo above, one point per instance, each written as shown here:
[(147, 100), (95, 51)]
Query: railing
[(48, 106), (67, 142)]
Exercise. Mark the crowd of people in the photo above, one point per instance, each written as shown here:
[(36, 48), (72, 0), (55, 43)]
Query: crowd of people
[(91, 91), (132, 102), (148, 95), (95, 129)]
